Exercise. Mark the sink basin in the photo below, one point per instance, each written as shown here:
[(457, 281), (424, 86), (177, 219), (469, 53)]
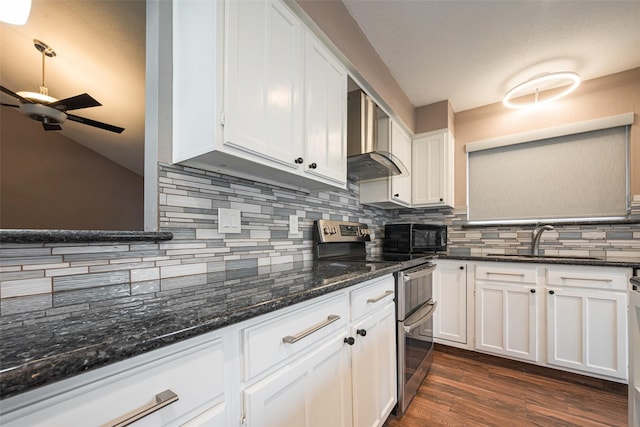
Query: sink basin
[(550, 257)]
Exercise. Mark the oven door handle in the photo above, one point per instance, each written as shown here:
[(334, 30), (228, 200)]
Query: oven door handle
[(414, 274), (420, 317)]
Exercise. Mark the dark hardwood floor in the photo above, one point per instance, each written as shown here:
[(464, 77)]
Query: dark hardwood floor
[(470, 389)]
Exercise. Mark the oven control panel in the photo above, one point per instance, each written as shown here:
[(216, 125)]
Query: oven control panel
[(342, 231)]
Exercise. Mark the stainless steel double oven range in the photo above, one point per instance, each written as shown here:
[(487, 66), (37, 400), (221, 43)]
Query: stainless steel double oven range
[(346, 241)]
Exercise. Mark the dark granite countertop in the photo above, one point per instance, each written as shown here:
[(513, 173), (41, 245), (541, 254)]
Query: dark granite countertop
[(547, 260), (36, 350), (75, 236)]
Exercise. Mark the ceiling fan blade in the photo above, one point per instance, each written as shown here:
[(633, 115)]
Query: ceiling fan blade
[(75, 102), (10, 105), (94, 123), (48, 126), (15, 95)]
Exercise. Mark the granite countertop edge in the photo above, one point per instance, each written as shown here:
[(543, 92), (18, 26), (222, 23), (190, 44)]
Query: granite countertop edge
[(33, 374), (80, 236), (543, 260)]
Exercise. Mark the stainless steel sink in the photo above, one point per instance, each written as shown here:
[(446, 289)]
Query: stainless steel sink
[(543, 257)]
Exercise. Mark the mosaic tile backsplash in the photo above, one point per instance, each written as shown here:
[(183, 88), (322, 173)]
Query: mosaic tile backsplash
[(57, 278)]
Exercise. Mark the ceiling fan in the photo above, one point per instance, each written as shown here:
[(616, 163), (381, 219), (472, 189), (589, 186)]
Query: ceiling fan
[(52, 112)]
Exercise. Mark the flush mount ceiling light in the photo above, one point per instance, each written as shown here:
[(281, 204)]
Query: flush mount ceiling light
[(538, 84)]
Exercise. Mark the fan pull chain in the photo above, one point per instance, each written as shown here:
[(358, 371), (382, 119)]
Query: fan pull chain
[(43, 89)]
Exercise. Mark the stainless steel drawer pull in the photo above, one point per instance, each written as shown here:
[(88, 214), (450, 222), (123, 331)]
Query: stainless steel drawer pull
[(507, 274), (374, 300), (586, 278), (290, 339), (161, 400)]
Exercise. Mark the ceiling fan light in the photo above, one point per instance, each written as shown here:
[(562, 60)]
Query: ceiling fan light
[(15, 11), (43, 114), (37, 97), (532, 87)]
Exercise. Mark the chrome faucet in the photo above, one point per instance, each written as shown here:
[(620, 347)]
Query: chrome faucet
[(535, 237)]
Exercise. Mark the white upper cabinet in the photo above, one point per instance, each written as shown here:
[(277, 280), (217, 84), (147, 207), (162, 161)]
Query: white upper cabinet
[(432, 177), (272, 107), (325, 114), (392, 192), (263, 82)]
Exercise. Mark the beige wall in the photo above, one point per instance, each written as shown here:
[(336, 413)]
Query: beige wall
[(434, 117), (47, 181), (334, 20), (601, 97)]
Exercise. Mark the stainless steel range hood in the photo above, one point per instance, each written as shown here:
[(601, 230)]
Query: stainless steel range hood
[(364, 160)]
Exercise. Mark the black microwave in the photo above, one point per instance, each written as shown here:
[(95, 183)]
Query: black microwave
[(414, 238)]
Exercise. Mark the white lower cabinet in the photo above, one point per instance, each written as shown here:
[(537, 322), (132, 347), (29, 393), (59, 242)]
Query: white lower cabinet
[(450, 291), (567, 317), (196, 371), (338, 367), (314, 391), (587, 320), (506, 310), (374, 367), (507, 320)]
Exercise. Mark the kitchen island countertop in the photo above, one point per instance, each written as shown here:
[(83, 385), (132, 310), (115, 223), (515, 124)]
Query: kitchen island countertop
[(80, 332)]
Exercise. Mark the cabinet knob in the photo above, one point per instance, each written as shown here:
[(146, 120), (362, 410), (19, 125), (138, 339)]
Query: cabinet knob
[(396, 195), (313, 166), (533, 291), (362, 332), (552, 292), (299, 160), (350, 340), (462, 267), (441, 199)]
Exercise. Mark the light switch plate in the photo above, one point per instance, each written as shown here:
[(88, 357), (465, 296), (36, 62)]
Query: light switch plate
[(229, 221), (293, 224)]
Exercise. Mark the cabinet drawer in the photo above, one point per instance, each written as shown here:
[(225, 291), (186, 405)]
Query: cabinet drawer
[(589, 277), (512, 273), (371, 296), (273, 339), (193, 370)]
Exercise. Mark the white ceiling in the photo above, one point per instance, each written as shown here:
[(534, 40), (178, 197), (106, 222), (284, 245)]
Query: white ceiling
[(100, 50), (473, 52)]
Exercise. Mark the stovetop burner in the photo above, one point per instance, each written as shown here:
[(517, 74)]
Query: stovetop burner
[(346, 241)]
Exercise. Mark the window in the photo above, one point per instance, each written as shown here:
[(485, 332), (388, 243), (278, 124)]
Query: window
[(578, 176)]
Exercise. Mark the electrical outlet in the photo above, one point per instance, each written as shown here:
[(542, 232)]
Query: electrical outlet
[(293, 224), (229, 221)]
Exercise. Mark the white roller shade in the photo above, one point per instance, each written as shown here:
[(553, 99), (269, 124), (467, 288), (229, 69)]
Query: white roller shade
[(576, 176)]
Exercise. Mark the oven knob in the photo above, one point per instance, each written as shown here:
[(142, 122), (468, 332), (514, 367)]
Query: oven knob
[(334, 230), (350, 340), (326, 230)]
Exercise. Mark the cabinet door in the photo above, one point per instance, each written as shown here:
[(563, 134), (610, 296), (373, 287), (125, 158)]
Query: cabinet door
[(199, 371), (432, 182), (374, 367), (587, 329), (312, 391), (263, 90), (450, 291), (325, 114), (507, 319), (401, 148)]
